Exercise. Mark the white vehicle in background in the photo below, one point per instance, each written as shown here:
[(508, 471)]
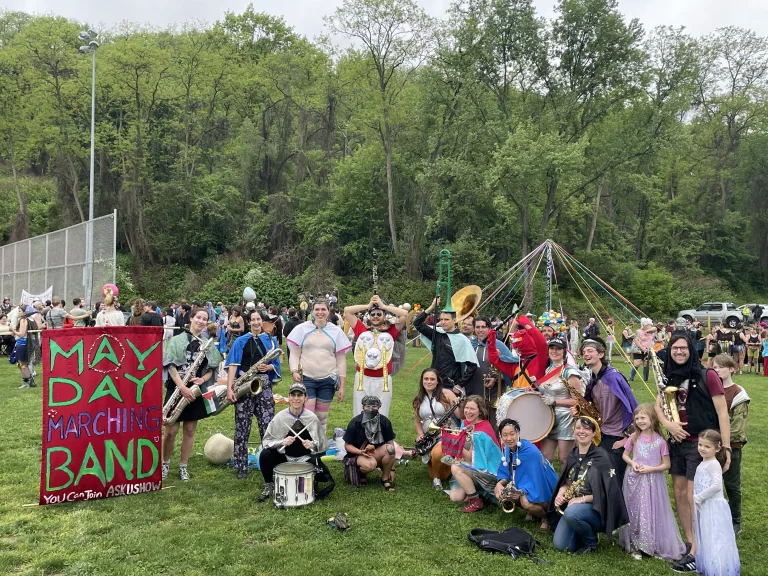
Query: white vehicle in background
[(713, 313)]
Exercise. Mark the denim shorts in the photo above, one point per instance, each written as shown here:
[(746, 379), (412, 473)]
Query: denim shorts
[(322, 389)]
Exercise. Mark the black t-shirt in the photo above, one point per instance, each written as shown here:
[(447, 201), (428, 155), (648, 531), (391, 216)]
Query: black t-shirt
[(355, 433), (193, 347), (151, 319)]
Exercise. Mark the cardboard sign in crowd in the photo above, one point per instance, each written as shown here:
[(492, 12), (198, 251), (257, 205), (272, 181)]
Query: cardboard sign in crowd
[(102, 413)]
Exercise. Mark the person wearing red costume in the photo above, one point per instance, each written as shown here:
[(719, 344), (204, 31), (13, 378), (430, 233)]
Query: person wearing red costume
[(532, 348)]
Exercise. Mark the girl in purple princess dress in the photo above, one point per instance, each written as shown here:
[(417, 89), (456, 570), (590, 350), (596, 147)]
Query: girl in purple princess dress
[(652, 528)]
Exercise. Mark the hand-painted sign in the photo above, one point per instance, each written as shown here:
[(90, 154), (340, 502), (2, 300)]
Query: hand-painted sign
[(102, 413)]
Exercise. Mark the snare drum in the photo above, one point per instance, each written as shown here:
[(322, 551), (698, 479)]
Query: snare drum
[(536, 419), (294, 484)]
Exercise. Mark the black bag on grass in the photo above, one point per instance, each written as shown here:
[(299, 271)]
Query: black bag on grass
[(513, 541)]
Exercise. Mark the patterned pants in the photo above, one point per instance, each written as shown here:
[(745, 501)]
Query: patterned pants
[(263, 407)]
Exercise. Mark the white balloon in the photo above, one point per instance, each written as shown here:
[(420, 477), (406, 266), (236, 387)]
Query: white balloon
[(249, 294)]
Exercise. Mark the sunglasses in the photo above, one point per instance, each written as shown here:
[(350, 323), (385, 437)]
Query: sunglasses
[(377, 314)]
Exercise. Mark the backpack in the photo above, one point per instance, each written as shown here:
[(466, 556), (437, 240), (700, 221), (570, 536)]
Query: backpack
[(513, 541)]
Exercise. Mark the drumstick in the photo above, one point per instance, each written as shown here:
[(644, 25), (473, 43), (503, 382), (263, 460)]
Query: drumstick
[(296, 434)]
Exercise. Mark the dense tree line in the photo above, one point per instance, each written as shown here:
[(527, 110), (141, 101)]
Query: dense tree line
[(643, 151)]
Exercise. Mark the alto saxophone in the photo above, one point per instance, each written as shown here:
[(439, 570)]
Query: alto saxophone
[(666, 393), (574, 489), (175, 405), (509, 497), (584, 407)]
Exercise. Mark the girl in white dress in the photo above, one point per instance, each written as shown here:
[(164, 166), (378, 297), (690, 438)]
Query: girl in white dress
[(716, 551)]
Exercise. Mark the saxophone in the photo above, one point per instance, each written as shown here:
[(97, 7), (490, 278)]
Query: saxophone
[(434, 431), (509, 497), (247, 383), (666, 393), (575, 488), (583, 407), (176, 403)]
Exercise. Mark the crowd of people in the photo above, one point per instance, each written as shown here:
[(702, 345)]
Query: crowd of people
[(612, 452)]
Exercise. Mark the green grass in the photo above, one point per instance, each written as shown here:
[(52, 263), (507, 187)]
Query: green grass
[(213, 525)]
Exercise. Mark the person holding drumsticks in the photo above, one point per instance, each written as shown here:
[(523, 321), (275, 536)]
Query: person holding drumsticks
[(369, 442), (555, 393), (293, 435)]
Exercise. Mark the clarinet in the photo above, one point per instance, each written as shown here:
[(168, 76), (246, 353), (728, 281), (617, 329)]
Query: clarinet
[(375, 275)]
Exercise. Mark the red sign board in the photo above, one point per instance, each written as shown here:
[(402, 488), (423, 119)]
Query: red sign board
[(102, 413)]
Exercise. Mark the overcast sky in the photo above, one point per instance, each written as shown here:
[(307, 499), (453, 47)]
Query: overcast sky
[(698, 16)]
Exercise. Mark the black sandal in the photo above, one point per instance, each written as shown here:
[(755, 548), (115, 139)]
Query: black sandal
[(388, 485)]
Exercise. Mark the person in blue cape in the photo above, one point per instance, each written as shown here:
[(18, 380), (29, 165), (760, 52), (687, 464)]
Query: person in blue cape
[(452, 354), (246, 351), (524, 467)]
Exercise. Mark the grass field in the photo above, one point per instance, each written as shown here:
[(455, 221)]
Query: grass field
[(213, 525)]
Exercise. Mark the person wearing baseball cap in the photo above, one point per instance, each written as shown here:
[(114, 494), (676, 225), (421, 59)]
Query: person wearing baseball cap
[(293, 435)]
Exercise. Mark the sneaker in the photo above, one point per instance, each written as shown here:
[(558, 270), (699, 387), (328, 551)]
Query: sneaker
[(23, 385), (473, 505), (437, 484), (242, 475), (266, 494), (166, 468), (637, 555), (32, 382), (585, 550), (686, 564), (183, 473)]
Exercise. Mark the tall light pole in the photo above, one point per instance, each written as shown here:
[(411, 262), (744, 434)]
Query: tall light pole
[(92, 44)]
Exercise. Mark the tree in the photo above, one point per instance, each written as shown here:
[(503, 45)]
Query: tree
[(396, 36)]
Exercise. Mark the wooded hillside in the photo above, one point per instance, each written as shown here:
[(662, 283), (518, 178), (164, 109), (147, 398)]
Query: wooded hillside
[(645, 152)]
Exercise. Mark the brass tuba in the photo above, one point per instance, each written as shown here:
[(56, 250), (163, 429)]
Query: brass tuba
[(466, 301)]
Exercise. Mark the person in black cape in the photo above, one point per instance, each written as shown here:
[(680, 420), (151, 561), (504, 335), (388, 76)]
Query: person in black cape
[(598, 506)]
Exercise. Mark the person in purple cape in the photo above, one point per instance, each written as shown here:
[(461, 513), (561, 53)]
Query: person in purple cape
[(609, 391)]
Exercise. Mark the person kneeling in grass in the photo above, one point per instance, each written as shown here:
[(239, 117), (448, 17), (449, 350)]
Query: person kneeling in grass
[(369, 442)]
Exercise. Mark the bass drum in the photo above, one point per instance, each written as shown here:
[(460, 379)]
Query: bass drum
[(294, 484), (536, 419)]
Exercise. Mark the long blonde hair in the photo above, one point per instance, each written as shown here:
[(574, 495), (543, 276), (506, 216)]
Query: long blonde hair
[(647, 409)]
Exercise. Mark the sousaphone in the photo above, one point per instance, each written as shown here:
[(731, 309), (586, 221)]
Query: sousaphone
[(466, 301)]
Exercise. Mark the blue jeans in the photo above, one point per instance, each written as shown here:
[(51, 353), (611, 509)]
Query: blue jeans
[(578, 527), (322, 389)]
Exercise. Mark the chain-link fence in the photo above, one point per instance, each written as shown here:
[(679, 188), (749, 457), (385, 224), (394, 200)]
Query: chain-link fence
[(58, 259)]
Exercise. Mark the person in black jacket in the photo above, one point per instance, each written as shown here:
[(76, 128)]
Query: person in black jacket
[(452, 353), (293, 321), (150, 316)]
